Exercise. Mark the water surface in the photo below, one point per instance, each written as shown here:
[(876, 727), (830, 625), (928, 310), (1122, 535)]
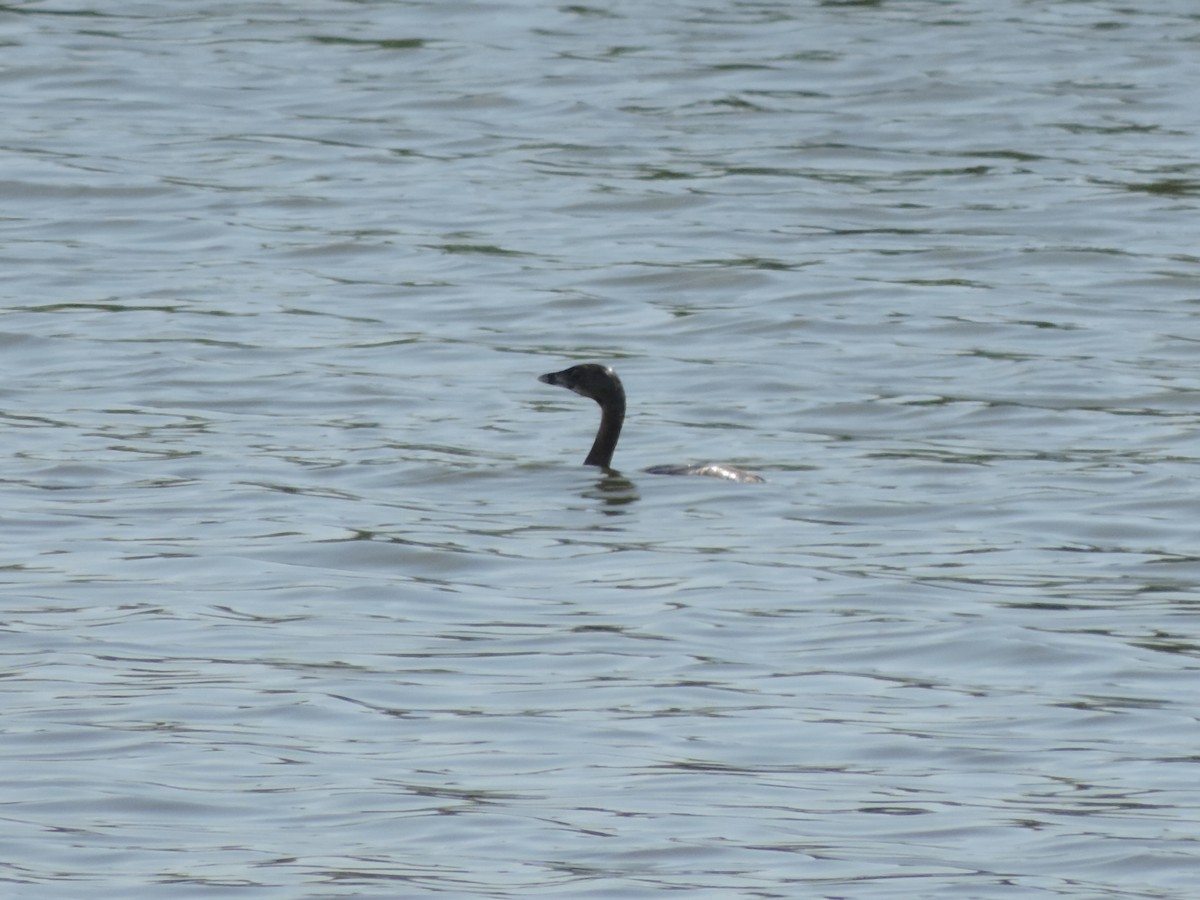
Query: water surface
[(304, 589)]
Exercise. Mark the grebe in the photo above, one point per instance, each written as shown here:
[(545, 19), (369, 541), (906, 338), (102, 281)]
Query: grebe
[(602, 385)]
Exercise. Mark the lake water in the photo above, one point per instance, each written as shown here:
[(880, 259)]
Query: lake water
[(305, 593)]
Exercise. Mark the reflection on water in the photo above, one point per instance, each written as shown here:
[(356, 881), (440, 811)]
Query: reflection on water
[(613, 490), (305, 596)]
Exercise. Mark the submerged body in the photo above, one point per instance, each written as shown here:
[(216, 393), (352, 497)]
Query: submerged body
[(602, 385)]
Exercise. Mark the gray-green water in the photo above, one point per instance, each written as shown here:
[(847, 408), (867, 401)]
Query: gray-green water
[(305, 593)]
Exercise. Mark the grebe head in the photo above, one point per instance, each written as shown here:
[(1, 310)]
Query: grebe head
[(589, 380)]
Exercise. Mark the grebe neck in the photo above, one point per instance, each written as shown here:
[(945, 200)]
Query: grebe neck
[(612, 417)]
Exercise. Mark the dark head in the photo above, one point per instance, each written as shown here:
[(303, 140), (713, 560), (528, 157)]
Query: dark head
[(589, 380), (602, 385)]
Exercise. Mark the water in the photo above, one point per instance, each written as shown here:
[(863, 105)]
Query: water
[(306, 595)]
